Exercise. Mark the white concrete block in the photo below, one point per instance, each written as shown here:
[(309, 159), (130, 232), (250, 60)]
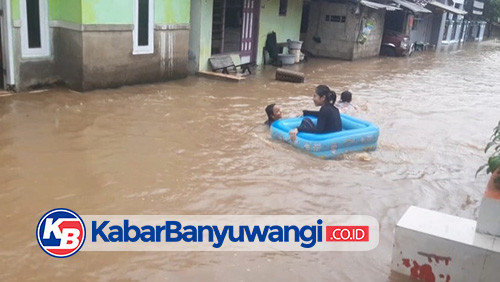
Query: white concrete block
[(488, 221), (439, 224), (432, 246)]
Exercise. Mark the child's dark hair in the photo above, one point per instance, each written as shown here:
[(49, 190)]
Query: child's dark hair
[(346, 96), (323, 90), (270, 113)]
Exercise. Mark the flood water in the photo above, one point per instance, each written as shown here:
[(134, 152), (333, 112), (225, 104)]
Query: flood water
[(198, 146)]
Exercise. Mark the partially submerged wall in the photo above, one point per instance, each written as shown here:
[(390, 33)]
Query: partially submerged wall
[(334, 30)]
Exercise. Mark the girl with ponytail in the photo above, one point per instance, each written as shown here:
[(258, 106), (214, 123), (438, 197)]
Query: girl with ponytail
[(328, 115)]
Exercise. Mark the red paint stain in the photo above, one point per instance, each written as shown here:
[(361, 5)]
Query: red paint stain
[(423, 272), (448, 277), (436, 257), (406, 262)]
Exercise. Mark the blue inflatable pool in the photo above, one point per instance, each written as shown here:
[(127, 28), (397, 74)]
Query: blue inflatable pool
[(356, 135)]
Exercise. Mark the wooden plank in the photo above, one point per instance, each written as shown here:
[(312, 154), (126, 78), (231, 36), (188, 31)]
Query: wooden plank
[(289, 75), (221, 76)]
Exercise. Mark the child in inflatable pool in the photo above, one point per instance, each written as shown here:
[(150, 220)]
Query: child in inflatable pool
[(345, 105), (328, 115), (273, 112)]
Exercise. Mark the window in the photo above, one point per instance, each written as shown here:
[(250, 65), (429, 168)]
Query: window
[(34, 28), (143, 27), (335, 19), (283, 7)]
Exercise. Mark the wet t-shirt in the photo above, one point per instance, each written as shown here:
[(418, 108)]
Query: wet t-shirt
[(328, 120), (346, 107)]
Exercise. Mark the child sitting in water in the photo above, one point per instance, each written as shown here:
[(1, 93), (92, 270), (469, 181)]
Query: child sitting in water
[(345, 105), (273, 112)]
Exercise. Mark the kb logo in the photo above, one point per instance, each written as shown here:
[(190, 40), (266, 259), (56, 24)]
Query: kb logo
[(60, 233)]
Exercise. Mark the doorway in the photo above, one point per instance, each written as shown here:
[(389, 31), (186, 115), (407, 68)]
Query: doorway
[(234, 28)]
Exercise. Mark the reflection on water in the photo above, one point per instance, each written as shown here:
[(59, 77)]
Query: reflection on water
[(198, 146)]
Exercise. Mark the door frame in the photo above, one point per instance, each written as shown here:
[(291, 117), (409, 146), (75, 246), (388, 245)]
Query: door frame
[(256, 25), (7, 45), (253, 40)]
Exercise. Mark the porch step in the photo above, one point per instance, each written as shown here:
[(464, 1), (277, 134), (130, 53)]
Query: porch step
[(4, 93), (218, 75)]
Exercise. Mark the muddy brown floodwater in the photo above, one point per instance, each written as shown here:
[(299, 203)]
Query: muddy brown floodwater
[(198, 146)]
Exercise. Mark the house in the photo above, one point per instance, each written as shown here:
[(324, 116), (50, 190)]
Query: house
[(448, 22), (476, 25), (346, 30), (88, 44), (239, 28), (413, 20), (429, 22)]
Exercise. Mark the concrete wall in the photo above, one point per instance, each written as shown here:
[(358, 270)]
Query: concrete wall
[(69, 10), (371, 47), (64, 65), (200, 38), (107, 11), (91, 45), (172, 11), (68, 56), (66, 10), (336, 41), (116, 65), (32, 73), (340, 40), (108, 59)]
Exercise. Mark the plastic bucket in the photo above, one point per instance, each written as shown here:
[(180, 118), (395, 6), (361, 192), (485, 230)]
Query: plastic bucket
[(287, 59), (294, 45)]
